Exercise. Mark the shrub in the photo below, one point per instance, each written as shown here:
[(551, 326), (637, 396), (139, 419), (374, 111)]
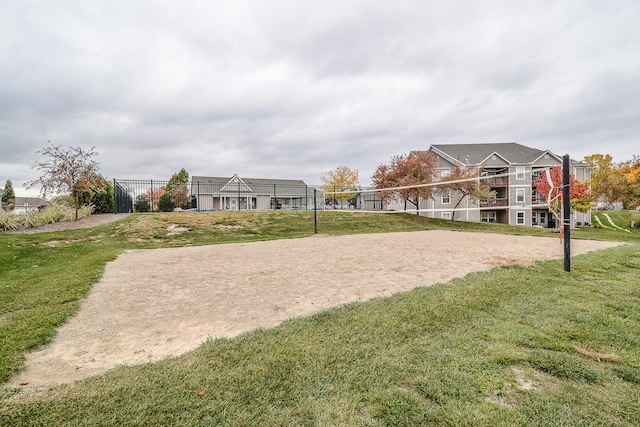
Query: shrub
[(634, 218), (101, 197), (30, 220), (102, 201), (87, 210), (142, 204), (54, 212), (165, 203), (8, 222)]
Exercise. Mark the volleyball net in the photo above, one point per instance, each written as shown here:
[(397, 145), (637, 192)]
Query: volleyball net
[(452, 192)]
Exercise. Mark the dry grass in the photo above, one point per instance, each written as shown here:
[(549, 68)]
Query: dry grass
[(596, 355)]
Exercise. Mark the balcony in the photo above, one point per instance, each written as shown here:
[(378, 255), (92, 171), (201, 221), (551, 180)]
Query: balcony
[(494, 203), (538, 200), (496, 181)]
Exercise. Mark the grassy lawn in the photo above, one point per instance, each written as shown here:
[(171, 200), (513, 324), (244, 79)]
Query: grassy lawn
[(511, 346)]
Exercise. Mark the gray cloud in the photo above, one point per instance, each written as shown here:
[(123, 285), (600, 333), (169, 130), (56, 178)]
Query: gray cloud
[(289, 89)]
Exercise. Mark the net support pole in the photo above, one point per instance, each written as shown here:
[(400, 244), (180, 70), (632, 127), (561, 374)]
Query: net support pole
[(315, 211), (566, 195)]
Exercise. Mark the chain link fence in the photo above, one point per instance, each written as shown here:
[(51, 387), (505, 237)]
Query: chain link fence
[(214, 195)]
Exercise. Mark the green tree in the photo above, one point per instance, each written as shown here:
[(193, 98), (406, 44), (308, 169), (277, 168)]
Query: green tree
[(607, 178), (631, 172), (340, 180), (178, 189), (8, 197), (67, 170)]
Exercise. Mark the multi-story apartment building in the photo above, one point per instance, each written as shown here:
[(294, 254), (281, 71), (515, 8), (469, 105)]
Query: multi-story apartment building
[(512, 170)]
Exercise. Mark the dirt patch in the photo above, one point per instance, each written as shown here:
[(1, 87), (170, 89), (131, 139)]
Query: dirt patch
[(522, 381), (158, 303), (174, 229)]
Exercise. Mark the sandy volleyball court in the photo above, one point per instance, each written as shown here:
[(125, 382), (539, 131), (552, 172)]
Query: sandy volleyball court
[(153, 304)]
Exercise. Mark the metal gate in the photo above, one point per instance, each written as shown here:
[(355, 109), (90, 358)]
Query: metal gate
[(123, 202)]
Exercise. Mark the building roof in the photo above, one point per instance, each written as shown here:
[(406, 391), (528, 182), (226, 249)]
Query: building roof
[(248, 181), (475, 154), (235, 184), (31, 201), (21, 202)]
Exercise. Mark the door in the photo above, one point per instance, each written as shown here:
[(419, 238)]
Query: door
[(541, 218)]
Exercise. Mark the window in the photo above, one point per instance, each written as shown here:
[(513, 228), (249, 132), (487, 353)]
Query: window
[(446, 198), (520, 218), (520, 195), (519, 173), (488, 216), (446, 215)]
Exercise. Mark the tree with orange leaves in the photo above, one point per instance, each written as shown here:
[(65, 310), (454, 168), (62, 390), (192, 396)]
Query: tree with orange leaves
[(415, 168), (579, 192), (154, 195)]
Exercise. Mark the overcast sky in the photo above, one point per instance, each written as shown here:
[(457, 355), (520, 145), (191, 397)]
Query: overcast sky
[(292, 88)]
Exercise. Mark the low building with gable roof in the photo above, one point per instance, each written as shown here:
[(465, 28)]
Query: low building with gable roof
[(240, 194)]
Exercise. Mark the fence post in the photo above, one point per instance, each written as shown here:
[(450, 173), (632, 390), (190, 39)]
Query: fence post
[(152, 196), (315, 212), (566, 194), (275, 199), (115, 199)]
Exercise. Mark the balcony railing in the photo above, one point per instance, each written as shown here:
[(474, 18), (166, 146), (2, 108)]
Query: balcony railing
[(496, 181), (494, 203), (538, 201)]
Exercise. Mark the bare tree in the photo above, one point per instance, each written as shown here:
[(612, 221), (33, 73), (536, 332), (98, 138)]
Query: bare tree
[(66, 170), (465, 183)]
